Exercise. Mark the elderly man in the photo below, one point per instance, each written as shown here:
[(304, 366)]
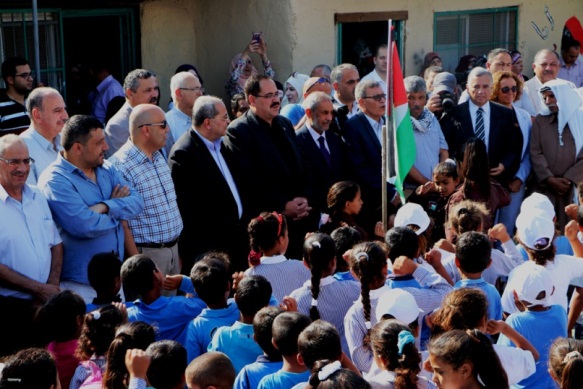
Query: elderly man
[(48, 114), (185, 88), (324, 151), (491, 122), (431, 147), (19, 82), (263, 152), (556, 143), (379, 73), (31, 252), (296, 112), (155, 231), (140, 87), (89, 200), (212, 217), (363, 135), (344, 78)]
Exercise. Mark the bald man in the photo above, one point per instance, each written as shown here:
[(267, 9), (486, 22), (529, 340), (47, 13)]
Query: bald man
[(155, 231), (185, 88)]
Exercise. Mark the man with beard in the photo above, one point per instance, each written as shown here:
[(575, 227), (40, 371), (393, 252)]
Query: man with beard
[(31, 252), (19, 81), (262, 148), (140, 87), (155, 231), (323, 150), (556, 144), (89, 200), (48, 114)]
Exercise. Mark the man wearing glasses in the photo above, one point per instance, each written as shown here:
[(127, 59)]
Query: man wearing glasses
[(19, 82), (262, 148), (185, 88), (155, 231), (89, 200), (31, 252), (363, 135)]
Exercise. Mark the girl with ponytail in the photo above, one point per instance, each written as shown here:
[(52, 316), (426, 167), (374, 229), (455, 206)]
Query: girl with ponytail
[(323, 296), (566, 363), (395, 352), (368, 262), (466, 359)]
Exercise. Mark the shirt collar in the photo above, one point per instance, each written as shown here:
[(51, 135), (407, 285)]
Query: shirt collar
[(474, 107), (373, 124), (216, 145), (470, 282), (323, 281), (27, 194), (313, 132), (377, 293), (44, 142), (273, 260), (134, 152), (181, 115)]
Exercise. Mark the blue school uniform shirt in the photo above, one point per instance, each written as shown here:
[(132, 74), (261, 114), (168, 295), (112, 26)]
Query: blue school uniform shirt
[(200, 330), (250, 376), (237, 343), (283, 380), (540, 328), (169, 315), (492, 295), (405, 281), (344, 276)]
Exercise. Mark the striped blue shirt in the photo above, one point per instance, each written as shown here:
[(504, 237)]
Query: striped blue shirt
[(284, 275)]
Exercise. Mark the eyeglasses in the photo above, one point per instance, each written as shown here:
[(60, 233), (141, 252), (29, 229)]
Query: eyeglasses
[(321, 80), (279, 222), (269, 96), (17, 162), (507, 89), (379, 97), (195, 90), (163, 124), (25, 75)]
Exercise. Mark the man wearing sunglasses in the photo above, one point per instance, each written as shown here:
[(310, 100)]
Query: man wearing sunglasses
[(363, 136), (155, 231), (19, 82)]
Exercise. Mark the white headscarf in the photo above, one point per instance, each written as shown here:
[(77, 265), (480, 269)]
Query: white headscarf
[(570, 109), (297, 80)]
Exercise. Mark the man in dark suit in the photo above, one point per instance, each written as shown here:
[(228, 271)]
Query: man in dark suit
[(363, 135), (262, 149), (493, 123), (323, 150), (207, 196)]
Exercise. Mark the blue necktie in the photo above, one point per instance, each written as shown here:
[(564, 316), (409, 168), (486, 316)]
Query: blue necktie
[(324, 150), (479, 131)]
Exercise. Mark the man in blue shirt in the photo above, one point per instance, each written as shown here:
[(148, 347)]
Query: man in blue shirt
[(89, 200)]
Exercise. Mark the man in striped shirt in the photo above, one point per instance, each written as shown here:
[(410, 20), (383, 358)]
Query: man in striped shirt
[(19, 81)]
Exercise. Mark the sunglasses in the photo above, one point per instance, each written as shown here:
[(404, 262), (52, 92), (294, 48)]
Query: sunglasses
[(507, 89), (321, 80), (163, 124)]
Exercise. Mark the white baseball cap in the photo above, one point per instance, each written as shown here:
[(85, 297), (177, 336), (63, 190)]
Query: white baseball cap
[(538, 201), (534, 228), (412, 213), (529, 281), (398, 303)]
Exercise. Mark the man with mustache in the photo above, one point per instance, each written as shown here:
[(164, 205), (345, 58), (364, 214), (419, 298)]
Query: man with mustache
[(556, 144), (89, 200), (140, 87), (48, 114), (31, 252), (262, 148), (155, 231), (546, 68), (19, 82)]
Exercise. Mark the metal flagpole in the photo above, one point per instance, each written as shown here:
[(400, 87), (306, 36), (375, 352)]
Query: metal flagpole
[(388, 141)]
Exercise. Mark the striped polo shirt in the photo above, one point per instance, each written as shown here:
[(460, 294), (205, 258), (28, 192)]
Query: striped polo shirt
[(13, 116)]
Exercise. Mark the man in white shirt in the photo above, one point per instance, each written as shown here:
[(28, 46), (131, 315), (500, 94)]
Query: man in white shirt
[(379, 73)]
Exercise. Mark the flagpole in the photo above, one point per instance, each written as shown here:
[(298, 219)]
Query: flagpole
[(387, 129)]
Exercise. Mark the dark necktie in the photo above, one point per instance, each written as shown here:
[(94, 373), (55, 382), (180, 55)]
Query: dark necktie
[(480, 133), (324, 150)]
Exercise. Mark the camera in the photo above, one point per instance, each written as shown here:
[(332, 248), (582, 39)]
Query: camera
[(448, 100)]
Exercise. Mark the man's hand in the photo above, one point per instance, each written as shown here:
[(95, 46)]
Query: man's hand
[(297, 208), (515, 185), (434, 103), (404, 266), (45, 291), (120, 192), (172, 282), (496, 171), (560, 185), (137, 363)]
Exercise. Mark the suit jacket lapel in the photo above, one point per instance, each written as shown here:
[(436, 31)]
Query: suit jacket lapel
[(369, 131)]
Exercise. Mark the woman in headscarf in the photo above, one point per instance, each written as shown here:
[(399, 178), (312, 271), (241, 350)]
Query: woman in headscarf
[(242, 68), (294, 87)]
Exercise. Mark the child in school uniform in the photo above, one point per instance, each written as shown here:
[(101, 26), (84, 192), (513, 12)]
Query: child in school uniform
[(103, 272), (167, 365), (210, 370), (472, 257), (285, 332), (566, 362), (344, 239), (540, 323), (210, 278), (141, 278), (236, 341), (319, 296), (268, 235)]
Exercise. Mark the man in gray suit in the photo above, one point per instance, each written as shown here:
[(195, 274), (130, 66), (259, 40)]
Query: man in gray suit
[(140, 87)]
